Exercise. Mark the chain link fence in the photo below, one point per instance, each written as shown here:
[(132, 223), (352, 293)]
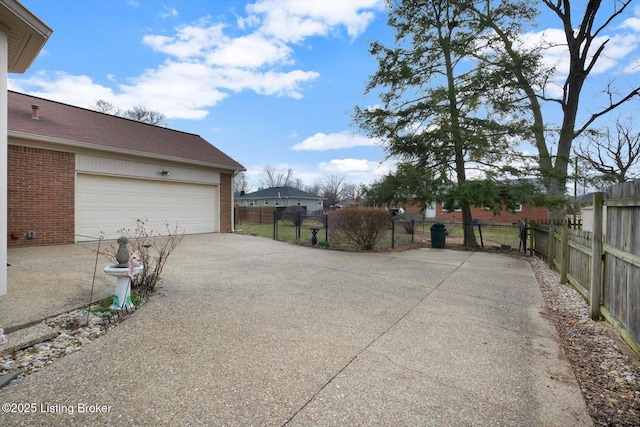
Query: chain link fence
[(297, 225)]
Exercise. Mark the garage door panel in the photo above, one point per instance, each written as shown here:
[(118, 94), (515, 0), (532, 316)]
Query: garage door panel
[(108, 204)]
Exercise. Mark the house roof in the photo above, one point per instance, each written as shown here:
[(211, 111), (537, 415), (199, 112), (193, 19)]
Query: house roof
[(279, 192), (69, 125)]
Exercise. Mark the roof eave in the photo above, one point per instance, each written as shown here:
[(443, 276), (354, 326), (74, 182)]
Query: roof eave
[(102, 148), (27, 34)]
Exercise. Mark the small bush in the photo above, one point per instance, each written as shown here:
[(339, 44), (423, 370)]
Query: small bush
[(154, 249), (360, 227), (295, 214)]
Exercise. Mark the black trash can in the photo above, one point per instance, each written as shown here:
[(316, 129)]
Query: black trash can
[(438, 233)]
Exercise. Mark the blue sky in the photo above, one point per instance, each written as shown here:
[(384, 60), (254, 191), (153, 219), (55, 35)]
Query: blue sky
[(269, 82)]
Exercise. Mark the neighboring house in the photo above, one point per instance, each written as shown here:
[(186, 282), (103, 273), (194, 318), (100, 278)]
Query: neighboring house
[(281, 197), (358, 202), (76, 174), (435, 212), (586, 214)]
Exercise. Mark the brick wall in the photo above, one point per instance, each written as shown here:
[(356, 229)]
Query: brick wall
[(226, 189), (40, 190), (487, 216)]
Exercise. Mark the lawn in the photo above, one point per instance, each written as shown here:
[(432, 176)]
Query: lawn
[(492, 235), (285, 229), (287, 232)]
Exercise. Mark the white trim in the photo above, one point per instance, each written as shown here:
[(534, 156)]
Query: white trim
[(4, 124)]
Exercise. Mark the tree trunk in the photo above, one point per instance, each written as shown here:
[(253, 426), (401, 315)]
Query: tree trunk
[(467, 224)]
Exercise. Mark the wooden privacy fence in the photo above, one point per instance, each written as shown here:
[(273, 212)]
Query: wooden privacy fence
[(602, 264), (254, 214)]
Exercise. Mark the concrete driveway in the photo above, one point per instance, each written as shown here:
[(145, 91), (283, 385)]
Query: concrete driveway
[(249, 331)]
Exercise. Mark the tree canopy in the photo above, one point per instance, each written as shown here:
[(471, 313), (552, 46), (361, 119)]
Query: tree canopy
[(445, 112), (555, 114), (138, 113)]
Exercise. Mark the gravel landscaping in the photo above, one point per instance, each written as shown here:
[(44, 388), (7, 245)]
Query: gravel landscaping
[(607, 371)]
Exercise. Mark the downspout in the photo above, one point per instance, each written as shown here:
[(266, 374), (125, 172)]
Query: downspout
[(4, 140)]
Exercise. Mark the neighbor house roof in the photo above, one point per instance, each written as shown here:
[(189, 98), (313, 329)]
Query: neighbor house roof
[(74, 126), (279, 192)]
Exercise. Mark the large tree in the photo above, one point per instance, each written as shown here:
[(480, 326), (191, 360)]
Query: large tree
[(138, 113), (443, 110), (610, 155), (241, 183), (586, 44), (274, 177), (336, 190), (407, 183)]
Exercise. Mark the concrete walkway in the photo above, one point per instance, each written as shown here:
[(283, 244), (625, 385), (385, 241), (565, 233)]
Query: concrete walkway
[(248, 331)]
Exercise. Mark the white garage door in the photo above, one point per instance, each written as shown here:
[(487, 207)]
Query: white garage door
[(108, 204)]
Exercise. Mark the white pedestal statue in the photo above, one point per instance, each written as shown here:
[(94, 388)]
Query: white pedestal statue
[(122, 297)]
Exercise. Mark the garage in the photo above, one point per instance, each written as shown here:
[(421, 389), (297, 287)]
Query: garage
[(76, 174), (105, 204)]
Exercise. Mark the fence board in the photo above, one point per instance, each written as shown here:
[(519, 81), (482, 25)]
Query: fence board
[(579, 247), (622, 253), (614, 294)]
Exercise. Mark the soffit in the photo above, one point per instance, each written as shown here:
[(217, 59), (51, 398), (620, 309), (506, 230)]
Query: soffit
[(27, 34)]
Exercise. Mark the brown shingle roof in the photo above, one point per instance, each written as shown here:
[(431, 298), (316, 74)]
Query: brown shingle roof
[(104, 131)]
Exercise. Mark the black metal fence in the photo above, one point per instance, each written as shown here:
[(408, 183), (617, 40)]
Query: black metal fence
[(297, 225)]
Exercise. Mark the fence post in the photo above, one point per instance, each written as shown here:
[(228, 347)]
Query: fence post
[(393, 232), (596, 258), (531, 237), (275, 225), (480, 233), (551, 244), (326, 227), (564, 253)]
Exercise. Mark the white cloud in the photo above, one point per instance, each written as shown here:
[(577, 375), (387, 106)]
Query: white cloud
[(208, 61), (167, 12), (250, 51), (618, 47), (633, 66), (203, 87), (190, 41), (333, 141), (358, 170), (293, 21), (615, 59), (266, 83), (631, 23), (62, 87)]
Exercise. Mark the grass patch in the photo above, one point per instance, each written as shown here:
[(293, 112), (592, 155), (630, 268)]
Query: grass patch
[(286, 230), (491, 234), (104, 306)]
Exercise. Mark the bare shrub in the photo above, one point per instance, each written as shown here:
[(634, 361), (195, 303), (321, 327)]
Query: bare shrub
[(154, 249), (295, 214), (360, 227)]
